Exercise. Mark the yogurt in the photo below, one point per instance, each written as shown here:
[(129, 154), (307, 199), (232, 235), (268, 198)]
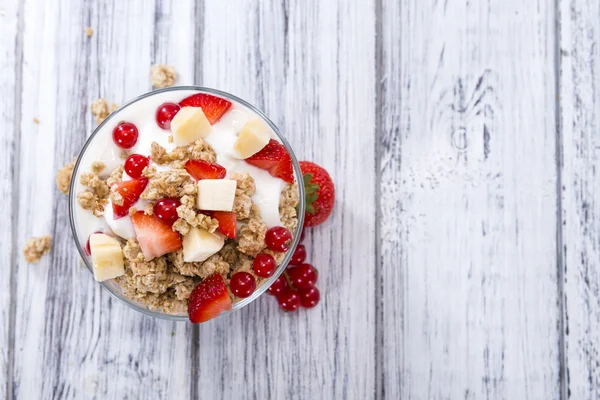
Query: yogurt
[(142, 113)]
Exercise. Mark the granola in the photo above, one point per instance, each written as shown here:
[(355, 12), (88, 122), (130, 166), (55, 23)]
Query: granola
[(63, 178), (36, 248), (101, 110), (162, 75), (88, 31)]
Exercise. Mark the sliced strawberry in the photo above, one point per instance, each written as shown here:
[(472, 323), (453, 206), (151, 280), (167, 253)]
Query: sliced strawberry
[(208, 299), (275, 159), (214, 107), (227, 222), (200, 169), (130, 191), (154, 236)]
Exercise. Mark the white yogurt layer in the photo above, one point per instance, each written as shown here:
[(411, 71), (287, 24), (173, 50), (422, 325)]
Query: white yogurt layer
[(222, 138)]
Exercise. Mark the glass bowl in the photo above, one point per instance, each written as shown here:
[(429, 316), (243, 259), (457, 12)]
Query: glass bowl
[(112, 287)]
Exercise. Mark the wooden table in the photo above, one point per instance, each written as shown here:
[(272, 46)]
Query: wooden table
[(463, 257)]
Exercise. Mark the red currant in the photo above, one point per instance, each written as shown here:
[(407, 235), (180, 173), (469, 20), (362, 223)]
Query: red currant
[(135, 164), (242, 284), (309, 297), (125, 135), (264, 265), (278, 286), (303, 276), (166, 210), (299, 255), (165, 114), (288, 300), (278, 239)]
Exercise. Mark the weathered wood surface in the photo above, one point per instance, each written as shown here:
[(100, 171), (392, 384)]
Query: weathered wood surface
[(461, 261), (470, 304), (579, 79)]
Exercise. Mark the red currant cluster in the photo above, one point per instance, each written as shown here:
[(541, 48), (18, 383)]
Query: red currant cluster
[(296, 286)]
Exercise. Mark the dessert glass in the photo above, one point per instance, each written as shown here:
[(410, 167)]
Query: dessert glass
[(112, 287)]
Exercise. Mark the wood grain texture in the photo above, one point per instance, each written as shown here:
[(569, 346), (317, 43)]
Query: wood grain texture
[(468, 200), (580, 127), (310, 66), (10, 65), (72, 338)]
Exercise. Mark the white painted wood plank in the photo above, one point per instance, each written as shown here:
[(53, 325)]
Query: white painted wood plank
[(72, 338), (310, 66), (580, 128), (10, 67), (468, 200)]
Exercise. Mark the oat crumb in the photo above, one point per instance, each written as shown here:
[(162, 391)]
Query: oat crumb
[(88, 31), (63, 178), (162, 75), (36, 120), (36, 248), (100, 109)]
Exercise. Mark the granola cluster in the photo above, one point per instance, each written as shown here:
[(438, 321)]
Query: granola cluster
[(36, 248), (166, 282), (101, 110), (162, 75)]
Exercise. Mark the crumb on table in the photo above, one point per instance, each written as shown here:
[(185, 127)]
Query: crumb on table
[(88, 31), (36, 248), (63, 178), (101, 110), (162, 75), (36, 120)]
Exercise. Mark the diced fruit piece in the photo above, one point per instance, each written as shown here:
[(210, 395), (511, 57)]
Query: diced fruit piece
[(278, 286), (302, 276), (107, 257), (264, 265), (125, 135), (200, 169), (154, 236), (278, 239), (165, 114), (166, 210), (88, 251), (253, 137), (274, 158), (227, 222), (189, 125), (208, 299), (288, 300), (309, 297), (135, 164), (199, 244), (216, 194), (242, 284), (214, 107), (130, 191), (299, 255), (320, 193)]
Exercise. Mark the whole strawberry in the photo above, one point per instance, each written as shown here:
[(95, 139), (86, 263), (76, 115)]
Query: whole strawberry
[(320, 193)]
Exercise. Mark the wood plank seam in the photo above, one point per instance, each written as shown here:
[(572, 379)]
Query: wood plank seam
[(379, 87), (560, 262), (15, 197)]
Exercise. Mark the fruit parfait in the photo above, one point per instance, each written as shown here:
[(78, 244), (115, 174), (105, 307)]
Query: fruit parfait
[(185, 203)]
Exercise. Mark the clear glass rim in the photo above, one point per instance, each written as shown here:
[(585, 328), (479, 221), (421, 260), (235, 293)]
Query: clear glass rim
[(296, 235)]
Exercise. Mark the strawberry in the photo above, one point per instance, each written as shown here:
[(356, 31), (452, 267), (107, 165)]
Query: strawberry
[(320, 193), (275, 159), (214, 107), (130, 191), (154, 236), (227, 221), (208, 299), (200, 169)]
